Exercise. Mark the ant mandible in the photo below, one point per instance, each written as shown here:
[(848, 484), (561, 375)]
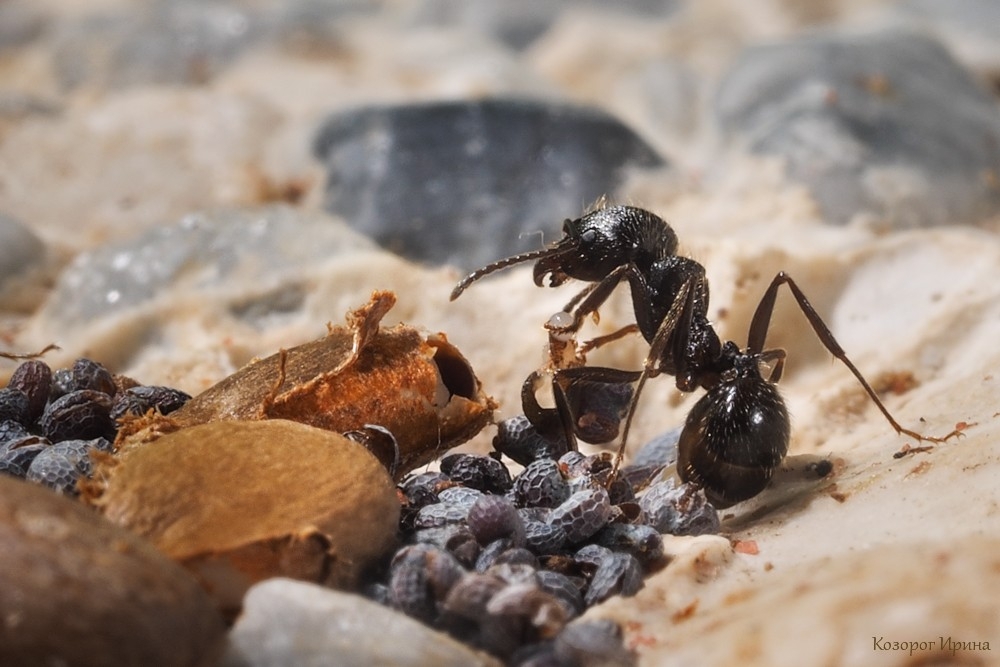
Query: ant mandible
[(737, 434)]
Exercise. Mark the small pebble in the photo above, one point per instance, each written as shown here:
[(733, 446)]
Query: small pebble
[(882, 123), (287, 622)]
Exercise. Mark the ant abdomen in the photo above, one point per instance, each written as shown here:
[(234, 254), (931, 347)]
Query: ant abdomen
[(733, 439)]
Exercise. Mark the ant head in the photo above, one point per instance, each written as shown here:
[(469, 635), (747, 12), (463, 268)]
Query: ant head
[(559, 261), (594, 245)]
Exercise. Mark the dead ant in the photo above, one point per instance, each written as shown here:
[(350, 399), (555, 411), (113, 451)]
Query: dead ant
[(590, 402), (738, 432)]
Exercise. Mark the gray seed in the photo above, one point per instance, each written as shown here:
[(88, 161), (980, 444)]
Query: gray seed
[(462, 496), (440, 514), (592, 644), (455, 538), (582, 514), (494, 517), (564, 589), (59, 466), (679, 511), (541, 484), (544, 538), (542, 610), (618, 574), (643, 542)]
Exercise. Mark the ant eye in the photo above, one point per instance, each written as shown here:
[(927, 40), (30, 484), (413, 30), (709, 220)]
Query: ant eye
[(589, 236)]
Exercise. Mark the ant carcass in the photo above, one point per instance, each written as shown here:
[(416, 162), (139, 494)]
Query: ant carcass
[(737, 434)]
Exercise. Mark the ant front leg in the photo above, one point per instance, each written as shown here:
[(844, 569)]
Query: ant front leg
[(593, 297), (762, 320)]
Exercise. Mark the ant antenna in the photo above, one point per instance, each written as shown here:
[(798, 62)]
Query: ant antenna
[(497, 266)]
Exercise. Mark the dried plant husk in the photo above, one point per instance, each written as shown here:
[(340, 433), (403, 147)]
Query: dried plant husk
[(239, 502), (77, 590), (418, 387)]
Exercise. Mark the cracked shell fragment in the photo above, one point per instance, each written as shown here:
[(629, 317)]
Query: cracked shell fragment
[(239, 502), (418, 387)]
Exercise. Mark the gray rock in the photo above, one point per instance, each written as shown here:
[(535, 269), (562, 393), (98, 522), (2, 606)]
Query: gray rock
[(977, 16), (969, 28), (518, 23), (884, 123), (20, 23), (20, 250), (184, 41), (463, 182), (286, 622), (204, 253)]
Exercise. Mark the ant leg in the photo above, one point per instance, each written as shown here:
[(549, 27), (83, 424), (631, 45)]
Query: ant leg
[(762, 320), (548, 422), (680, 308), (568, 308), (595, 295), (595, 343), (777, 355)]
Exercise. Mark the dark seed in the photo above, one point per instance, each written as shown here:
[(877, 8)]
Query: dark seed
[(440, 514), (11, 430), (618, 574), (83, 414), (564, 589), (478, 472), (495, 517), (539, 609), (61, 465), (643, 542), (88, 374), (544, 538), (419, 577), (679, 510), (491, 552), (140, 400), (455, 538), (518, 556), (596, 642), (541, 484), (460, 496), (517, 438), (14, 405), (34, 378), (17, 454), (582, 514)]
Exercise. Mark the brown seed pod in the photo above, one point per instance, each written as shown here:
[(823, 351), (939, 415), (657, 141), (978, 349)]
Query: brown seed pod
[(418, 387), (239, 502), (78, 590)]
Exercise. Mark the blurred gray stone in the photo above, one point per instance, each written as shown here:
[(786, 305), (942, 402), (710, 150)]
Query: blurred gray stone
[(260, 251), (20, 23), (518, 23), (185, 41), (977, 16), (465, 183), (286, 622), (20, 250), (884, 123), (969, 28)]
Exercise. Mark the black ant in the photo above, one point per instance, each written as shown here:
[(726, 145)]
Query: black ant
[(738, 432)]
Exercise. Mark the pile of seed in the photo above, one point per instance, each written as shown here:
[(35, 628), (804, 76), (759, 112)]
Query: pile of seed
[(50, 422), (506, 563)]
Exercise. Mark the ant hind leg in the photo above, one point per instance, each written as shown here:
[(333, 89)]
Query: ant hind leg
[(762, 320)]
